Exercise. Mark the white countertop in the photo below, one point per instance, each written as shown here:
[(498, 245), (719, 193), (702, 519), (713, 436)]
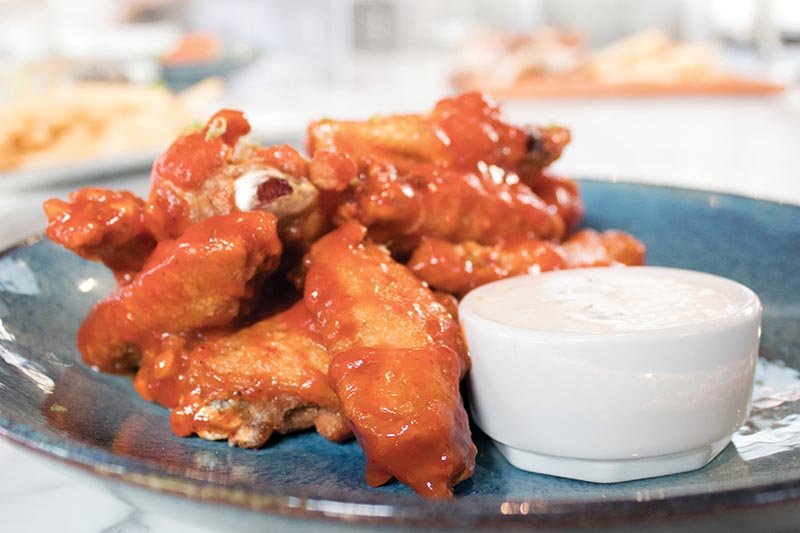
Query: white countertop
[(37, 497), (749, 146)]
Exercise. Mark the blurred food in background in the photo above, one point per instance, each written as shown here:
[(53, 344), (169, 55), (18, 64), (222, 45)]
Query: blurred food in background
[(506, 58), (557, 62), (194, 48), (652, 57), (290, 62), (88, 120), (200, 55)]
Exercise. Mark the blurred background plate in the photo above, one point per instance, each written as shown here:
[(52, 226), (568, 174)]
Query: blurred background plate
[(79, 172), (52, 404)]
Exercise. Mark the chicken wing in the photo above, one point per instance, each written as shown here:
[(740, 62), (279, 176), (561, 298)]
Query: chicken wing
[(182, 189), (460, 132), (102, 225), (204, 173), (452, 174), (197, 281), (211, 172), (265, 378), (397, 357), (485, 205), (459, 268)]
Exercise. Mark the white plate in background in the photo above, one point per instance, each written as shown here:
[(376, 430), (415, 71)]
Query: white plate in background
[(78, 171)]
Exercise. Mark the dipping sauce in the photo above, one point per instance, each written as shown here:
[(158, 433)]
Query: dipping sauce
[(606, 300), (611, 374)]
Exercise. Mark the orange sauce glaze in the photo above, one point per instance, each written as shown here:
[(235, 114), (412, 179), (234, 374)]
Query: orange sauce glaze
[(459, 268), (197, 281), (452, 174), (458, 133), (397, 357), (102, 225), (484, 205), (161, 376), (402, 407), (563, 194), (472, 130), (283, 157), (332, 170), (281, 355)]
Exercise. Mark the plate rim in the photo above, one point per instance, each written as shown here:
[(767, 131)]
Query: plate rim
[(411, 511)]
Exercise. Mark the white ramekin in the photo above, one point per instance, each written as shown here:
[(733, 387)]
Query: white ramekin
[(618, 406)]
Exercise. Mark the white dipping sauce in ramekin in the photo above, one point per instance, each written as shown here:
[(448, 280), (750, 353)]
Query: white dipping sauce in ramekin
[(611, 374)]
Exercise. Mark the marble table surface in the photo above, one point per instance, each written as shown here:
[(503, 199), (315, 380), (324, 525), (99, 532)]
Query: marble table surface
[(748, 146), (37, 496)]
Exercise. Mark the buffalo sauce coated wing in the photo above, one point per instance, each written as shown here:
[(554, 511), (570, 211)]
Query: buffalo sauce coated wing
[(453, 174), (397, 357), (204, 173), (265, 378), (197, 281), (459, 132), (485, 205), (459, 268), (102, 225)]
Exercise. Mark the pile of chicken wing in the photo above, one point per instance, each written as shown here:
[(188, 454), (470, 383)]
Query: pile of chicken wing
[(261, 290)]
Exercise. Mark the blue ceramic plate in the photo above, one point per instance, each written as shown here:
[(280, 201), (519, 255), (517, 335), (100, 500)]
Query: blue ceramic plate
[(53, 404)]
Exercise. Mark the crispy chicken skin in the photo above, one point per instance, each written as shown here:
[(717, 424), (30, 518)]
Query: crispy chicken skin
[(459, 268), (451, 174), (102, 225), (197, 281), (265, 378), (397, 357)]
